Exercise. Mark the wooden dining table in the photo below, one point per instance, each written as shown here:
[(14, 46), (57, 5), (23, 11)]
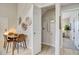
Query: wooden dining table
[(12, 38)]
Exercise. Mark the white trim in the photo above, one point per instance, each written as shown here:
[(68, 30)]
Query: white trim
[(45, 43), (47, 5), (57, 35), (68, 10)]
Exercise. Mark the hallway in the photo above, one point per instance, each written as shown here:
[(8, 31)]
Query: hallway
[(69, 48), (47, 50)]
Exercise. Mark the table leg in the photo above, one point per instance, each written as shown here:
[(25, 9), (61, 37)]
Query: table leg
[(25, 44), (17, 47), (14, 44), (7, 47)]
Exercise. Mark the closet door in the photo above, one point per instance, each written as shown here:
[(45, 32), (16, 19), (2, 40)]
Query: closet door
[(3, 26)]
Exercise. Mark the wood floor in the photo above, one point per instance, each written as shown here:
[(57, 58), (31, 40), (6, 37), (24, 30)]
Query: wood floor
[(69, 47), (22, 51), (46, 50)]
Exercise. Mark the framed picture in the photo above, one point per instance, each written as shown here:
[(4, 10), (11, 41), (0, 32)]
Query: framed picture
[(24, 26)]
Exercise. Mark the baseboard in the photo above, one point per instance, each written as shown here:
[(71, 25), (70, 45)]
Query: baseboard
[(47, 44)]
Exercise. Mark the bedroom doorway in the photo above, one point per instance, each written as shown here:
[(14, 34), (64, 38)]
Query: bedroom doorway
[(48, 30)]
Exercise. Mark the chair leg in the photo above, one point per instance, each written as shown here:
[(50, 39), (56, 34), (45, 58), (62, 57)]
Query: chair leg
[(5, 43), (17, 47), (25, 44), (14, 44), (7, 47)]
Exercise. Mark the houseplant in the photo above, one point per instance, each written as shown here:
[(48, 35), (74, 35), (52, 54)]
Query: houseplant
[(67, 29)]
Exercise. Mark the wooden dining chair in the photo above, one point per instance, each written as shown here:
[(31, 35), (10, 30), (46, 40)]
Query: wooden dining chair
[(22, 40)]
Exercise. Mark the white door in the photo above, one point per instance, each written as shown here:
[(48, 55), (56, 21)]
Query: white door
[(3, 26), (36, 30), (52, 33), (46, 32)]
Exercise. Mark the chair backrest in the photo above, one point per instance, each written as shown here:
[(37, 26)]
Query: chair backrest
[(21, 37)]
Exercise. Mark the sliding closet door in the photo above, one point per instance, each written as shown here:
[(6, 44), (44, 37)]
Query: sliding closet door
[(3, 26)]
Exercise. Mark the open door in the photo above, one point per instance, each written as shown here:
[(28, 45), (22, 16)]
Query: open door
[(36, 30)]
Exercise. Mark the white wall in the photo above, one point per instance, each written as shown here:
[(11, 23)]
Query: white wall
[(46, 18), (9, 11), (26, 10), (34, 40)]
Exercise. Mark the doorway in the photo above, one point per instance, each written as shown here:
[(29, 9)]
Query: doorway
[(70, 22), (48, 30)]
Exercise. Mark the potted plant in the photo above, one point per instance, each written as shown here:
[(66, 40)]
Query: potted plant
[(67, 29)]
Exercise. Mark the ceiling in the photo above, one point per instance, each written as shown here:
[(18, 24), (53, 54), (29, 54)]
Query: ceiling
[(45, 9), (46, 6), (42, 5)]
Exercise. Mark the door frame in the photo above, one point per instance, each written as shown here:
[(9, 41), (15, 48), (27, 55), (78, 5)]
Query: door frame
[(64, 11)]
